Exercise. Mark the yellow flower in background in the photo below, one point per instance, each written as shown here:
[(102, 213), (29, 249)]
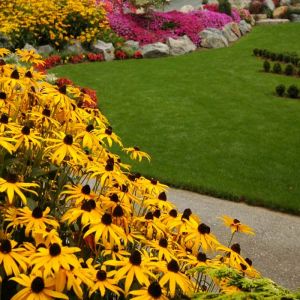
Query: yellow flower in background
[(4, 52), (136, 153), (30, 56), (236, 226)]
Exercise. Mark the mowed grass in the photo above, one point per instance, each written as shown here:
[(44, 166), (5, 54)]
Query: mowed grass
[(210, 119)]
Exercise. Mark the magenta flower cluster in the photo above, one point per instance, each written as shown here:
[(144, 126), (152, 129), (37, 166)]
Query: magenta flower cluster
[(161, 25)]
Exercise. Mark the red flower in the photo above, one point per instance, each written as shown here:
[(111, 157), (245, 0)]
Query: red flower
[(74, 59), (95, 56), (120, 54), (63, 81), (137, 54)]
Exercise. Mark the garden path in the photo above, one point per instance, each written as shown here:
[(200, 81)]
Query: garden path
[(274, 249)]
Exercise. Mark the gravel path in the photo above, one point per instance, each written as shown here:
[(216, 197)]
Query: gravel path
[(275, 249)]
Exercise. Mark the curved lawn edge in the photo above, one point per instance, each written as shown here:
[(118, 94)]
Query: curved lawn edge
[(119, 97)]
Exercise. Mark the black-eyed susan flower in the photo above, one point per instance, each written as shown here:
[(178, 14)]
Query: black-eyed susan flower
[(108, 232), (137, 267), (89, 212), (37, 219), (152, 292), (235, 225), (103, 281), (64, 145), (136, 153), (78, 193), (30, 56), (52, 258), (115, 252), (12, 185), (173, 278), (202, 237), (163, 248), (7, 143), (107, 135), (36, 287), (4, 52), (11, 257), (27, 137)]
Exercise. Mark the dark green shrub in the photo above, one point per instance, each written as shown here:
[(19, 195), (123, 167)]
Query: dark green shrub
[(289, 70), (277, 68), (225, 7), (267, 54), (280, 89), (260, 52), (298, 73), (287, 58), (295, 60), (264, 52), (273, 56), (266, 66), (280, 57), (293, 91), (256, 52)]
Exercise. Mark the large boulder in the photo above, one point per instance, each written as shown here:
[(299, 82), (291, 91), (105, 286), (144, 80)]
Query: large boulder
[(75, 47), (187, 8), (107, 49), (295, 18), (269, 4), (285, 2), (29, 48), (212, 38), (181, 45), (240, 3), (244, 27), (229, 34), (45, 50), (5, 41), (280, 12), (134, 45), (155, 50)]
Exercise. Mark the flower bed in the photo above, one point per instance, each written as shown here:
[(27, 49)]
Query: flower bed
[(171, 24), (51, 21)]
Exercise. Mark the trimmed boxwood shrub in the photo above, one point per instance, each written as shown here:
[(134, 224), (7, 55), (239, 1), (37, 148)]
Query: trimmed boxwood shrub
[(280, 57), (286, 58), (256, 52), (267, 66), (289, 70), (273, 56), (280, 89), (277, 68), (293, 91)]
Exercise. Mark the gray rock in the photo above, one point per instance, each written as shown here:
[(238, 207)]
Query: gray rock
[(229, 34), (181, 45), (213, 38), (134, 45), (285, 2), (187, 8), (240, 3), (107, 49), (295, 18), (269, 4), (45, 49), (272, 21), (29, 48), (75, 47), (244, 27), (155, 50), (5, 41)]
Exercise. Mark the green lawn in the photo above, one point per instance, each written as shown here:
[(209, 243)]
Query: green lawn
[(210, 119)]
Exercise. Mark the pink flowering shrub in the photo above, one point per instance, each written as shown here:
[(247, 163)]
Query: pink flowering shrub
[(168, 24)]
